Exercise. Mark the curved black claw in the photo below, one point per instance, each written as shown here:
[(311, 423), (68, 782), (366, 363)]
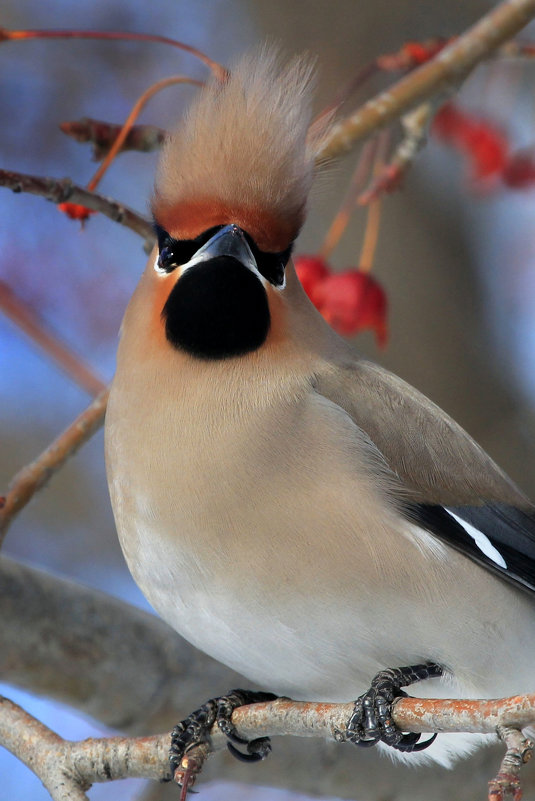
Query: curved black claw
[(257, 749), (195, 729), (371, 721)]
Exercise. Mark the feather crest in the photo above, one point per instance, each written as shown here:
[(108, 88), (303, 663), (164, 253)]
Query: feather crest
[(241, 151)]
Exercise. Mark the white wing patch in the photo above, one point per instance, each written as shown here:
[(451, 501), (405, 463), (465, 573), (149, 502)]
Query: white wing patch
[(481, 540)]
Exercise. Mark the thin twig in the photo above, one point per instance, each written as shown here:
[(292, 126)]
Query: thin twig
[(446, 70), (26, 319), (371, 232), (306, 719), (519, 751), (343, 215), (35, 475), (415, 125), (101, 135), (63, 190), (132, 117), (219, 72)]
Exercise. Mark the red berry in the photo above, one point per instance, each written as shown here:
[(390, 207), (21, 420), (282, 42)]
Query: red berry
[(353, 301), (485, 147), (311, 270), (75, 211)]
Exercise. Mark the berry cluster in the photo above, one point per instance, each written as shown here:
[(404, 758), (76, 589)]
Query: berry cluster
[(486, 148), (350, 301)]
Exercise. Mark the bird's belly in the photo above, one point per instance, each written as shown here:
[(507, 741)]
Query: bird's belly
[(258, 627), (298, 571), (298, 626)]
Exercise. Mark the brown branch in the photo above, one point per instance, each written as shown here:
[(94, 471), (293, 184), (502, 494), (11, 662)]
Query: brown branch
[(415, 126), (67, 769), (112, 661), (219, 72), (98, 760), (138, 106), (507, 780), (35, 475), (448, 68), (25, 318), (146, 138), (309, 719), (102, 135), (60, 639), (347, 207), (63, 190), (505, 717), (38, 748)]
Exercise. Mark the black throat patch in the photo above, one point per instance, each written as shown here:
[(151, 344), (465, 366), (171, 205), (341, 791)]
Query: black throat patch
[(217, 309)]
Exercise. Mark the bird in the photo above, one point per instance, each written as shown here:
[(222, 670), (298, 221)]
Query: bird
[(291, 508)]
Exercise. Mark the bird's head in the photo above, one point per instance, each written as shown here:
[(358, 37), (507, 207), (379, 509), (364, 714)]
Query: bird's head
[(229, 201)]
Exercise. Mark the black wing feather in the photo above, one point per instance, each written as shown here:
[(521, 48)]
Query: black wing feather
[(510, 530)]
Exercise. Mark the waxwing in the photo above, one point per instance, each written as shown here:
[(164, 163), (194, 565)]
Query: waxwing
[(293, 510)]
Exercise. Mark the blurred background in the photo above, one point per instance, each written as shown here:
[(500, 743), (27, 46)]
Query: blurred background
[(458, 268)]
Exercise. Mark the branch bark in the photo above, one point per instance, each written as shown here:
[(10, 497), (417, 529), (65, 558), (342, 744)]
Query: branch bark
[(35, 475), (447, 69), (38, 747), (127, 669), (102, 135), (63, 190), (117, 664), (67, 769)]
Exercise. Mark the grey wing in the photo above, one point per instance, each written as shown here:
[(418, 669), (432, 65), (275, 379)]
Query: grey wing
[(453, 488)]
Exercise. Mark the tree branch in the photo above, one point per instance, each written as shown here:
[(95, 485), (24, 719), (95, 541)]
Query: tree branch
[(117, 664), (24, 317), (102, 135), (448, 68), (127, 669), (35, 475), (39, 749), (219, 72), (64, 766), (63, 190)]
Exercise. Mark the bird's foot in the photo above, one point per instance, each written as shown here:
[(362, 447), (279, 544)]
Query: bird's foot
[(194, 731), (371, 721)]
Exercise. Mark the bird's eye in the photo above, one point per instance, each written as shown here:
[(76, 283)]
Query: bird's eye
[(167, 259), (270, 265), (178, 251)]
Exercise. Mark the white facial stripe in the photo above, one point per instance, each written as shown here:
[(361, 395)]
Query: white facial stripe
[(210, 249), (157, 267), (481, 540), (182, 268)]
